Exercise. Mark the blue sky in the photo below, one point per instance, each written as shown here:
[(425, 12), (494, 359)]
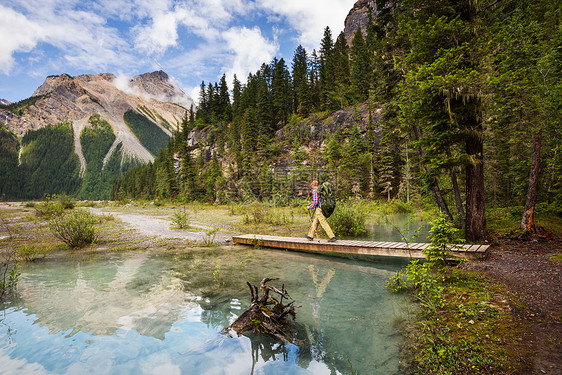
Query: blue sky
[(191, 40)]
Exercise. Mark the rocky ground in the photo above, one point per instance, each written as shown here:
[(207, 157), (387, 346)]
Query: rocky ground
[(532, 271)]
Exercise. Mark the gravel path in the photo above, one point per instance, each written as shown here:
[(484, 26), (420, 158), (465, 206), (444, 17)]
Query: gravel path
[(149, 226)]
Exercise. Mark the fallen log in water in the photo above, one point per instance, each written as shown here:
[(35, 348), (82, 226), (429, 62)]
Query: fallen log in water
[(267, 314)]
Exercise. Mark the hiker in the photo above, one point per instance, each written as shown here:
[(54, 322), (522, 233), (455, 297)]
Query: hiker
[(318, 216)]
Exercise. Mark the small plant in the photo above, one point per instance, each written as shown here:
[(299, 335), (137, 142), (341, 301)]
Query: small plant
[(180, 219), (30, 253), (442, 235), (76, 228), (9, 274), (10, 228), (217, 274), (209, 239), (49, 207), (66, 202)]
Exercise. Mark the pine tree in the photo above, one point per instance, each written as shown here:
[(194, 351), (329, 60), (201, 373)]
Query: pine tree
[(225, 109), (341, 88), (280, 94), (301, 87), (360, 67), (326, 69)]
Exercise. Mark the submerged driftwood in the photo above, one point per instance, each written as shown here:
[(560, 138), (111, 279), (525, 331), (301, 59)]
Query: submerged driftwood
[(267, 314)]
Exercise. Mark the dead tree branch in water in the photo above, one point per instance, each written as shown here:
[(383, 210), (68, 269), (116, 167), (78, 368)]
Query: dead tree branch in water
[(267, 314)]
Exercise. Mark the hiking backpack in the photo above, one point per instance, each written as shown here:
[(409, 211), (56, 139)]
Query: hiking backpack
[(327, 199)]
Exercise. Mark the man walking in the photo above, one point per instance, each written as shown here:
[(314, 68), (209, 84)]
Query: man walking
[(318, 216)]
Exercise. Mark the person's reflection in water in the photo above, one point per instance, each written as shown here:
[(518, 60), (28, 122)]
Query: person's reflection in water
[(320, 289)]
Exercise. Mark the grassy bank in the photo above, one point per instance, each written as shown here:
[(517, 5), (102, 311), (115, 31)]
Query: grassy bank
[(469, 329)]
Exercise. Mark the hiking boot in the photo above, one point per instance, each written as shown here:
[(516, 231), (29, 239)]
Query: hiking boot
[(308, 237), (333, 239)]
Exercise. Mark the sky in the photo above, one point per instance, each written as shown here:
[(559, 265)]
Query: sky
[(191, 40)]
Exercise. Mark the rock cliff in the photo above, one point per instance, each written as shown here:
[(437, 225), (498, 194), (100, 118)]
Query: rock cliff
[(358, 16)]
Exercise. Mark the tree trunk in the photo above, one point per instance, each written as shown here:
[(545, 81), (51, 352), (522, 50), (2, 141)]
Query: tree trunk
[(475, 203), (458, 200), (527, 221), (456, 190), (433, 183)]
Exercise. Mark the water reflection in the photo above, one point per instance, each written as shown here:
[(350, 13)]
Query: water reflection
[(138, 312), (396, 227)]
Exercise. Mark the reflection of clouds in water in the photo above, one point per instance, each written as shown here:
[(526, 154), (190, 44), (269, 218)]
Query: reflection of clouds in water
[(19, 366), (152, 321), (159, 363)]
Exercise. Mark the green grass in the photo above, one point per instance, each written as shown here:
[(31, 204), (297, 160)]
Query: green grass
[(470, 331), (506, 221)]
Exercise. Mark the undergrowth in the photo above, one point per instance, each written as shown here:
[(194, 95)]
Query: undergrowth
[(464, 324)]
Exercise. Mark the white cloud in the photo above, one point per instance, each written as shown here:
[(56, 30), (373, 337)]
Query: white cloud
[(250, 50), (83, 37), (123, 82), (17, 34), (160, 35), (310, 19)]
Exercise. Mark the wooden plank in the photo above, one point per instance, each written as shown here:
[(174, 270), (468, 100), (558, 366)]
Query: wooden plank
[(473, 248), (392, 249)]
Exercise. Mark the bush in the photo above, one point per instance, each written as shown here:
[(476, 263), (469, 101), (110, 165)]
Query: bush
[(261, 213), (348, 219), (30, 253), (76, 228), (66, 202), (180, 219), (54, 205), (49, 207)]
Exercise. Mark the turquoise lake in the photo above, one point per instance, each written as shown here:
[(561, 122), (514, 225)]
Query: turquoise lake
[(163, 313)]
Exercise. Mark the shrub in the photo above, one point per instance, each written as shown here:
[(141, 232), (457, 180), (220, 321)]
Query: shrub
[(30, 253), (180, 219), (260, 213), (441, 235), (348, 219), (66, 202), (49, 207), (76, 228)]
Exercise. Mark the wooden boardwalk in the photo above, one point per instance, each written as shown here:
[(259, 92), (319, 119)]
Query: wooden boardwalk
[(385, 249)]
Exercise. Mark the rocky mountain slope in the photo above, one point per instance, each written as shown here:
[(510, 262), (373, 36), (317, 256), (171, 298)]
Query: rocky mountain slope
[(75, 99), (85, 131), (358, 16)]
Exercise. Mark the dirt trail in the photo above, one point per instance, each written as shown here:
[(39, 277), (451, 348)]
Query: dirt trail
[(531, 273), (149, 226)]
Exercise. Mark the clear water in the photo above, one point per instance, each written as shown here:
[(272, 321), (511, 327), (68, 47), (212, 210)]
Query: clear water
[(393, 228), (142, 312)]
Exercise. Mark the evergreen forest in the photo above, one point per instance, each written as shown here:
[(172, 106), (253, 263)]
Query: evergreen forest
[(45, 162), (453, 103)]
